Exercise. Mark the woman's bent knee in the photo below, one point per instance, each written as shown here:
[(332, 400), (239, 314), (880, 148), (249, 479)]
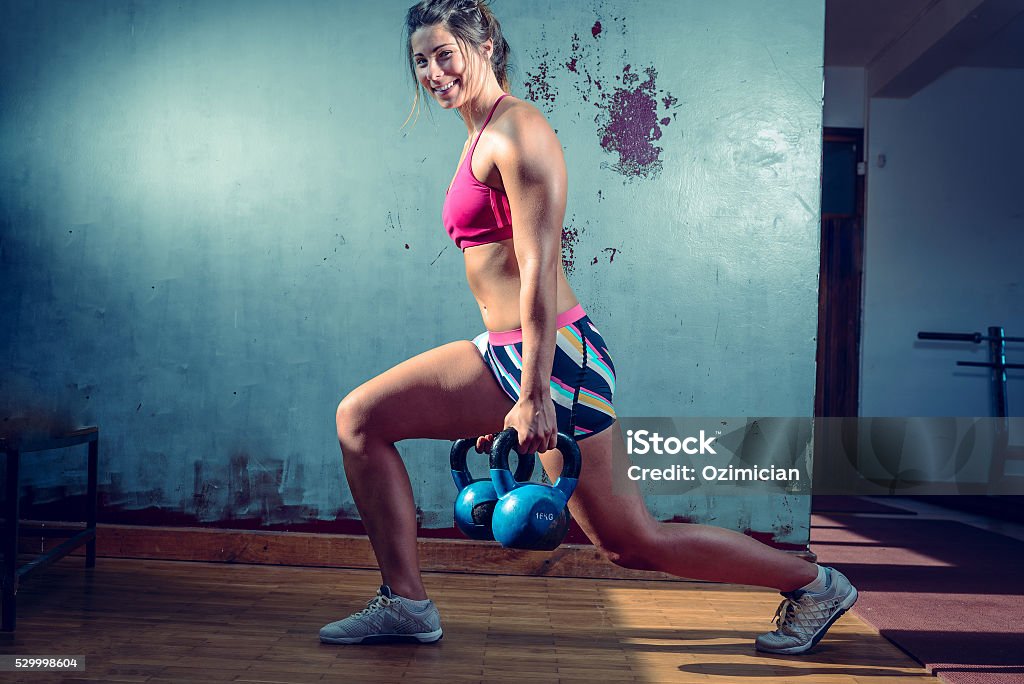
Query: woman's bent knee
[(633, 555), (635, 551), (352, 420)]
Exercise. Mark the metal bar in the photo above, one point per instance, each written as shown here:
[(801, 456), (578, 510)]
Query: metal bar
[(56, 553), (91, 500), (952, 337), (963, 337), (984, 364), (997, 352)]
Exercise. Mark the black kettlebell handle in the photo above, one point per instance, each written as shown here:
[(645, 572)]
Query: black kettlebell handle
[(508, 440), (460, 469)]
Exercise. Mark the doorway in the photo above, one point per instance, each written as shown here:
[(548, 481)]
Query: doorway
[(837, 386)]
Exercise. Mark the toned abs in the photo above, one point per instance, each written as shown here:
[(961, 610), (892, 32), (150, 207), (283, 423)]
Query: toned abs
[(492, 272)]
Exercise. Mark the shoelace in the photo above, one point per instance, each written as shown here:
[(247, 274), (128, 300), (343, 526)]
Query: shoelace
[(376, 603), (785, 615)]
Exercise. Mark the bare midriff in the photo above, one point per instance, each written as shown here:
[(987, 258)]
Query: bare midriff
[(493, 275)]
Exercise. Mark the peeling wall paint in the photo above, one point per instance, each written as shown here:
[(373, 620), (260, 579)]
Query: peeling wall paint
[(627, 120), (206, 239)]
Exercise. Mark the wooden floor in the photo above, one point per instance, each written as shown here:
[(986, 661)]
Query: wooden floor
[(166, 621)]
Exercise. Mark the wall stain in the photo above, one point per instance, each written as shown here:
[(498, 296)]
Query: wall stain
[(770, 539), (239, 491), (539, 86), (443, 250), (570, 239), (628, 120), (574, 54), (629, 126), (611, 252), (204, 492)]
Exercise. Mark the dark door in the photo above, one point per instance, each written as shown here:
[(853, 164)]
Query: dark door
[(842, 258)]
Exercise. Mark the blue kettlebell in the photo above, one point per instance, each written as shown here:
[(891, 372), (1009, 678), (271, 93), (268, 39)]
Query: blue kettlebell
[(475, 502), (532, 515)]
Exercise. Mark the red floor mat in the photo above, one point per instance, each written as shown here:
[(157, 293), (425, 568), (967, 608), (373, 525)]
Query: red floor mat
[(947, 593)]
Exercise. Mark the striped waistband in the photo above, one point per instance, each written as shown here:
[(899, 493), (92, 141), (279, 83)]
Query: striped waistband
[(504, 337)]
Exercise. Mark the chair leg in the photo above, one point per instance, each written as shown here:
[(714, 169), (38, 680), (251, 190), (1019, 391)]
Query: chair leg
[(10, 543), (91, 503)]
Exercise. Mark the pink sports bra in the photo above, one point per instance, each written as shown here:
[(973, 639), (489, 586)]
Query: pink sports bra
[(474, 213)]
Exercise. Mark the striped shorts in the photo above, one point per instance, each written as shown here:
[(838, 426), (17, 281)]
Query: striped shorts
[(587, 387)]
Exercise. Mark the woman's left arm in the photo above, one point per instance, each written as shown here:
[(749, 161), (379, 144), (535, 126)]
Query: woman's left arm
[(532, 170)]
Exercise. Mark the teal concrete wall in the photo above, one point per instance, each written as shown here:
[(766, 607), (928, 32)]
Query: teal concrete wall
[(213, 227)]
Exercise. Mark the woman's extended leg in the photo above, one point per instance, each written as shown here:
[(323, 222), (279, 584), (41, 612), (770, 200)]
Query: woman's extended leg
[(616, 519), (445, 393)]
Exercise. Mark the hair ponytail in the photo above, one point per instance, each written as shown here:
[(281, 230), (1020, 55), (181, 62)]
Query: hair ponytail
[(499, 56)]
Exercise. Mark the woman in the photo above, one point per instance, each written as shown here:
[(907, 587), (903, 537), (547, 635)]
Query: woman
[(505, 208)]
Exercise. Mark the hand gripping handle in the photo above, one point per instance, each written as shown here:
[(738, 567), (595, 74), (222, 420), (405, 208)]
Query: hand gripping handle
[(508, 441)]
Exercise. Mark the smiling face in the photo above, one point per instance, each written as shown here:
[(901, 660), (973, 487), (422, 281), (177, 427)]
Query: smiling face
[(445, 68)]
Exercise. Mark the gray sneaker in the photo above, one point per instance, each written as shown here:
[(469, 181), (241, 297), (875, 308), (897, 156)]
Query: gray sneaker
[(803, 617), (386, 618)]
